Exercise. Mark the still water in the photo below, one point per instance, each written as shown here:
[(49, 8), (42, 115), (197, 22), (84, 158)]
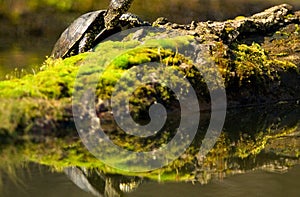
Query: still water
[(40, 181), (258, 154), (27, 36)]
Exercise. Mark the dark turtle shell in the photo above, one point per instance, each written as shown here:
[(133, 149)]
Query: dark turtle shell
[(88, 30), (81, 30)]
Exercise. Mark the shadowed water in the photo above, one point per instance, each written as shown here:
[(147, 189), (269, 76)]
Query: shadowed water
[(258, 152), (28, 32), (41, 182)]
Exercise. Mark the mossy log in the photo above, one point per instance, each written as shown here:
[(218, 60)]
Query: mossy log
[(257, 56)]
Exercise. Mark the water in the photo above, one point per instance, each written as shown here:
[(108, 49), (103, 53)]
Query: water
[(26, 41), (258, 183), (257, 154), (36, 180), (39, 181)]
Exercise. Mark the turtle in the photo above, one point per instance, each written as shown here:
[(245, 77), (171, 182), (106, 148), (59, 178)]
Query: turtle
[(99, 184), (89, 29), (115, 10)]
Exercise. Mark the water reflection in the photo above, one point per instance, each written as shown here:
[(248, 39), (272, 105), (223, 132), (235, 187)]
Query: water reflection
[(38, 180), (29, 30), (259, 146), (257, 183), (100, 184)]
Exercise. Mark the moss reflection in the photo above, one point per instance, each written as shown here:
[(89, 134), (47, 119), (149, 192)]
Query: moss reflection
[(268, 142)]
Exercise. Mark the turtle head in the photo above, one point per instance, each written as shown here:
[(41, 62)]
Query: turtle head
[(115, 10)]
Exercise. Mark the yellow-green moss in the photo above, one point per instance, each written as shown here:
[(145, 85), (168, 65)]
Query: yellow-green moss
[(251, 64), (19, 115), (239, 18), (297, 29), (253, 61), (37, 98), (54, 80), (38, 95)]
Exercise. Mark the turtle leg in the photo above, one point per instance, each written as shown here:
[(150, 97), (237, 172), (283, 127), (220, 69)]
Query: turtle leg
[(83, 44)]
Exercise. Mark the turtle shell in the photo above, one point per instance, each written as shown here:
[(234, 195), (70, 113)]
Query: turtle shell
[(68, 43)]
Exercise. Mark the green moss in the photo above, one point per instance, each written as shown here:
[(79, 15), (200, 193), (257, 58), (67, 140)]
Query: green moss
[(19, 116), (160, 51), (37, 99), (240, 18), (38, 95), (297, 29), (55, 80), (252, 64), (252, 61), (229, 29), (283, 54)]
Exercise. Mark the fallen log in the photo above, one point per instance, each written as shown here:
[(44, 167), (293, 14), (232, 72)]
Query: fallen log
[(258, 58)]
